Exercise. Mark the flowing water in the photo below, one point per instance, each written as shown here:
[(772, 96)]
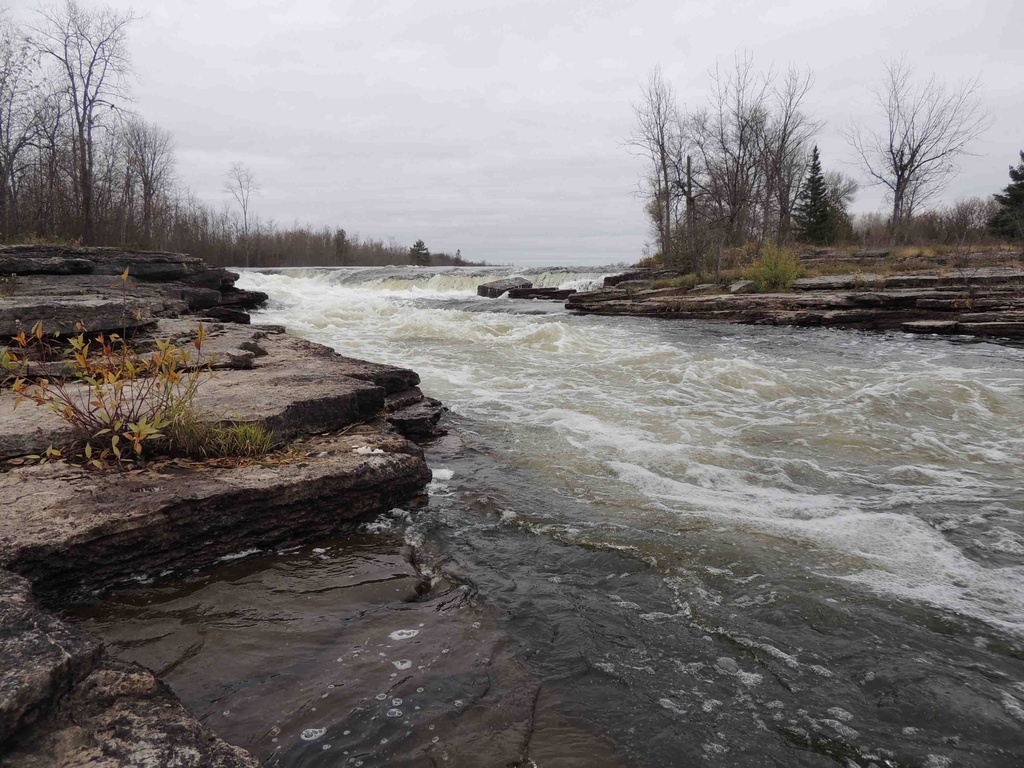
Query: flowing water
[(647, 543)]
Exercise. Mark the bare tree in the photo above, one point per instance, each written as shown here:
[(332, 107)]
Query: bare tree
[(785, 145), (841, 189), (241, 184), (89, 49), (18, 103), (729, 136), (151, 158), (654, 137), (928, 126)]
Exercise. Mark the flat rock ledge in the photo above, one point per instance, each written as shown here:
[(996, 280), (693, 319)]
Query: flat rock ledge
[(68, 531), (71, 531), (62, 286), (985, 301)]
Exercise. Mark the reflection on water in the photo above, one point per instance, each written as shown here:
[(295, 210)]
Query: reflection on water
[(688, 544)]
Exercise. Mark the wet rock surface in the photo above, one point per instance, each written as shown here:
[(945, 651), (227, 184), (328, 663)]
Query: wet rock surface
[(496, 288), (71, 530), (547, 294), (121, 716), (64, 702), (418, 420), (42, 658), (366, 660)]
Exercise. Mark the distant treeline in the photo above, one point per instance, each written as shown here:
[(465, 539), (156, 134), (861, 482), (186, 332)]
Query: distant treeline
[(76, 165)]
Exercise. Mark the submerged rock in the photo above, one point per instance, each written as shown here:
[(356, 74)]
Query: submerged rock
[(63, 702)]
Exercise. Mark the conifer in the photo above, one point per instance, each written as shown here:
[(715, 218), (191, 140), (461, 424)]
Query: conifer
[(1008, 221), (813, 214)]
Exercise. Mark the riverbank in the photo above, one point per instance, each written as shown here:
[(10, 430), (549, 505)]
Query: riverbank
[(973, 298), (67, 532)]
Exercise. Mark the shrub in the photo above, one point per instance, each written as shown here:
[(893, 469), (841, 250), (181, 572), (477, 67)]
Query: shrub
[(117, 403), (123, 407), (685, 281), (650, 262), (775, 270)]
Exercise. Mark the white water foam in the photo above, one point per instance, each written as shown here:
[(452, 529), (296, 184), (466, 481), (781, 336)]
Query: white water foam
[(900, 456)]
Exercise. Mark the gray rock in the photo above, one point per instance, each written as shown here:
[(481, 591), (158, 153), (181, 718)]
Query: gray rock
[(495, 289), (727, 665), (62, 315), (742, 286), (419, 420), (548, 294), (297, 388), (227, 315), (991, 307), (645, 275), (403, 399), (121, 716), (705, 288), (930, 326), (71, 530), (391, 378), (42, 658), (18, 264), (238, 298), (150, 266)]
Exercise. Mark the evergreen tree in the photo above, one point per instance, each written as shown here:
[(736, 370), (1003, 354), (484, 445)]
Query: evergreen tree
[(419, 255), (1008, 221), (813, 215)]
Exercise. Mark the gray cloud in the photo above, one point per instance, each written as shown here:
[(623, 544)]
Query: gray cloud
[(496, 127)]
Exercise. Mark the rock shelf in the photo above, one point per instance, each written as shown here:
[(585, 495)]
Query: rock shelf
[(64, 286), (983, 301), (340, 425)]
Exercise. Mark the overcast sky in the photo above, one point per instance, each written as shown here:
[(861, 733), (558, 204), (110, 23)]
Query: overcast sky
[(497, 126)]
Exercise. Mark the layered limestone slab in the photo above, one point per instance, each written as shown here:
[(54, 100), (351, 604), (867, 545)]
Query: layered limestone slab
[(70, 529), (291, 386), (861, 301), (496, 288), (152, 266)]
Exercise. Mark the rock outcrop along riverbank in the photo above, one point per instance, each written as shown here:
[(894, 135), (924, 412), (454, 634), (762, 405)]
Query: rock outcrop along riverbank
[(341, 454), (62, 286), (980, 301)]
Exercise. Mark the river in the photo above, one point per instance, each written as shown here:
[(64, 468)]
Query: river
[(647, 543)]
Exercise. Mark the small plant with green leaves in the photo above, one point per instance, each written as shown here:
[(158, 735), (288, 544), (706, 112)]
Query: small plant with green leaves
[(124, 407), (775, 270), (118, 404)]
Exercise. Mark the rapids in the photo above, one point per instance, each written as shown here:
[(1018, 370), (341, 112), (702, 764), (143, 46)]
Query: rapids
[(704, 544)]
